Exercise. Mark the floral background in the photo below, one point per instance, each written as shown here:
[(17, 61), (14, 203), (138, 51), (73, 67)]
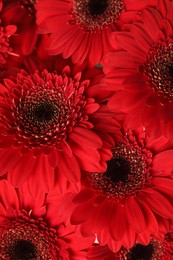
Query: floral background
[(86, 129)]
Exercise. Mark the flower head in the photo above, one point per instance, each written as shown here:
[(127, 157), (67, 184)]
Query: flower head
[(140, 70), (83, 28), (7, 30), (133, 192), (22, 14), (30, 231), (50, 123)]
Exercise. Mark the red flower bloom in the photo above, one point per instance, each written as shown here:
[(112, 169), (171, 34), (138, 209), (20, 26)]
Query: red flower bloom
[(29, 231), (83, 28), (132, 199), (140, 71), (22, 13), (50, 123), (160, 249), (7, 30)]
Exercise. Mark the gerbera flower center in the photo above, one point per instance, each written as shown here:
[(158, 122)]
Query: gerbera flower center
[(141, 252), (22, 249), (28, 238), (97, 7), (156, 249), (120, 166), (158, 70), (43, 112), (93, 15), (127, 172)]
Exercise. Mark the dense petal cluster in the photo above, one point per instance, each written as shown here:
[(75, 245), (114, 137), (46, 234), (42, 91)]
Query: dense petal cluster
[(86, 129), (46, 124)]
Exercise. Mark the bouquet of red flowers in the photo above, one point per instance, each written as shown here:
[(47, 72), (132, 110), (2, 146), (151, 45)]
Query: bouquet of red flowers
[(86, 129)]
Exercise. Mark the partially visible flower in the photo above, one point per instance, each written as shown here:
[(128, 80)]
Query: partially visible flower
[(29, 231), (52, 125), (83, 28), (160, 249), (22, 13), (140, 70), (132, 199), (6, 31)]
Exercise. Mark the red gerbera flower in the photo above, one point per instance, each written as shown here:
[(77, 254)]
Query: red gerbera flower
[(141, 70), (7, 30), (83, 28), (22, 13), (132, 199), (50, 123), (160, 249), (29, 231)]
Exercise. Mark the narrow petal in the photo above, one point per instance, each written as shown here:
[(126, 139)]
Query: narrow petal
[(158, 203), (135, 215)]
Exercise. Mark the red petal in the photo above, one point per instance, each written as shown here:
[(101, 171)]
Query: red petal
[(163, 161), (135, 215), (141, 37), (82, 212), (85, 137), (99, 219), (83, 196), (18, 174), (53, 157), (117, 225), (158, 203), (127, 42), (8, 195), (143, 238), (87, 162), (163, 185), (42, 176), (150, 219), (8, 159), (69, 167)]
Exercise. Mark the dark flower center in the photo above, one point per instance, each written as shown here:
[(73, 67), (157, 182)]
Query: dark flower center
[(141, 252), (43, 112), (93, 15), (127, 172), (158, 70), (118, 169), (97, 7), (22, 250), (26, 238)]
